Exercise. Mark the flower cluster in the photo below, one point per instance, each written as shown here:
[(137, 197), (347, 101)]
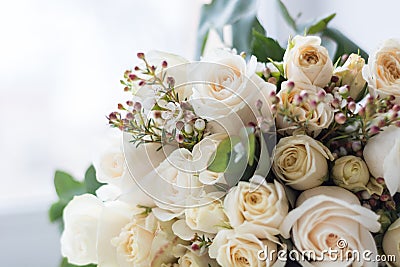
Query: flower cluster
[(232, 157)]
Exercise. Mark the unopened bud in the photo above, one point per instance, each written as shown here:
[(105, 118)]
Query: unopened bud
[(129, 103), (121, 107), (344, 90), (164, 64), (397, 124), (140, 55), (290, 85), (304, 94), (335, 103), (361, 112), (188, 128), (297, 100), (321, 95), (137, 106), (199, 124), (380, 180), (274, 108), (171, 81), (384, 198), (334, 79), (351, 106), (340, 118), (179, 138), (396, 108), (374, 129), (132, 77), (313, 104)]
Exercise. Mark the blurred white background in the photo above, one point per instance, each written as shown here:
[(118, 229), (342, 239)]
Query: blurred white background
[(60, 65)]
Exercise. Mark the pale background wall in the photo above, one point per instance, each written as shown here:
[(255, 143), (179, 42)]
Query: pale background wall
[(60, 63)]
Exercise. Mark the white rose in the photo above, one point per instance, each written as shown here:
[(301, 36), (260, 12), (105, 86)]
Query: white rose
[(127, 237), (173, 185), (232, 248), (331, 217), (257, 207), (315, 118), (205, 219), (111, 168), (391, 242), (228, 91), (382, 155), (383, 70), (301, 162), (351, 74), (306, 61), (350, 172), (78, 240), (191, 259)]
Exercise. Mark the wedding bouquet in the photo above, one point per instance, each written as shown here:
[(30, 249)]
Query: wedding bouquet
[(238, 160)]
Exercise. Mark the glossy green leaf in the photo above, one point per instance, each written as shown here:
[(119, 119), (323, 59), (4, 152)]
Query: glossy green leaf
[(56, 211), (91, 182), (264, 47), (219, 13), (222, 155), (320, 25), (67, 187), (242, 33)]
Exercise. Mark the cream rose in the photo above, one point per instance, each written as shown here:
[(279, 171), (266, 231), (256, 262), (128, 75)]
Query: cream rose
[(232, 248), (315, 118), (206, 218), (128, 237), (190, 259), (330, 217), (78, 240), (351, 74), (306, 61), (350, 172), (301, 162), (391, 242), (257, 207), (383, 70), (382, 155), (228, 90)]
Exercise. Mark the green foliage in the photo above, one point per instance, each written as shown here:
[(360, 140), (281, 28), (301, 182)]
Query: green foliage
[(241, 14), (67, 187), (286, 15), (222, 155), (320, 25), (264, 47)]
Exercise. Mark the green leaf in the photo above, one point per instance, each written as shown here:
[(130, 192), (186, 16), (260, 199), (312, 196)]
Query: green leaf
[(344, 44), (320, 25), (91, 182), (67, 187), (264, 47), (219, 13), (65, 263), (286, 15), (222, 155), (242, 33), (56, 211)]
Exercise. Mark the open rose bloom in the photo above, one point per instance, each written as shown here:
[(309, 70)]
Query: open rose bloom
[(232, 161)]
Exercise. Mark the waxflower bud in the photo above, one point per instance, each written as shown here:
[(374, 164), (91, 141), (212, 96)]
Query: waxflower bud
[(290, 85), (340, 118), (164, 64), (199, 124), (374, 129), (140, 55), (321, 95), (351, 106), (171, 81), (179, 125), (137, 106), (188, 128)]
